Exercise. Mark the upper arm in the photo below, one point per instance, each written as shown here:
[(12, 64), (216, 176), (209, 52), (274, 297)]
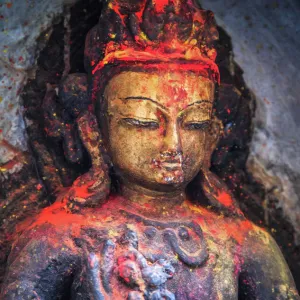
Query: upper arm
[(265, 274), (39, 265)]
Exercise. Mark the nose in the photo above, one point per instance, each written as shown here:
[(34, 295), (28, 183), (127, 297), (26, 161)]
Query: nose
[(171, 142)]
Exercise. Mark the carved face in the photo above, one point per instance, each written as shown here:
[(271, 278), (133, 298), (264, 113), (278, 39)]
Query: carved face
[(157, 126)]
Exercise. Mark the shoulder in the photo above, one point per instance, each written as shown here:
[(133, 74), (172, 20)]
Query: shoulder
[(261, 261), (221, 227), (236, 232), (260, 245), (54, 230)]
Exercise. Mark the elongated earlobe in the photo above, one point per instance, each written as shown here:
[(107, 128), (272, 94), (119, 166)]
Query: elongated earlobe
[(217, 193), (212, 138), (93, 187)]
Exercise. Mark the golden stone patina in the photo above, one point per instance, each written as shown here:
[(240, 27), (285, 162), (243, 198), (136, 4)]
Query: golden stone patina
[(150, 136), (156, 130)]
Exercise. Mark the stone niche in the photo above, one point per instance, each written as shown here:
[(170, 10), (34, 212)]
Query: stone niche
[(257, 104)]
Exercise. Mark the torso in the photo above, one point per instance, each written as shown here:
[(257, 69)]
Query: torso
[(123, 255)]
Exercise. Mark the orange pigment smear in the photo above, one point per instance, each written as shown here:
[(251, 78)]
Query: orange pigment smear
[(238, 230), (160, 5), (224, 198), (57, 215), (82, 191)]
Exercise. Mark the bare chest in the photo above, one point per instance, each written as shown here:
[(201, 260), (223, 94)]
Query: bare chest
[(146, 259)]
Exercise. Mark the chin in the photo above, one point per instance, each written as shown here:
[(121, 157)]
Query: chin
[(171, 179)]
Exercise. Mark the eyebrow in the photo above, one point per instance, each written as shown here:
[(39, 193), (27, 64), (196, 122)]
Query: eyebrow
[(160, 105), (194, 103), (199, 102), (147, 99)]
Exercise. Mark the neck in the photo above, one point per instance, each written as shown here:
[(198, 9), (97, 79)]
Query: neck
[(152, 203)]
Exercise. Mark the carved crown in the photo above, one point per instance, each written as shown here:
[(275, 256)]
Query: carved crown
[(163, 32)]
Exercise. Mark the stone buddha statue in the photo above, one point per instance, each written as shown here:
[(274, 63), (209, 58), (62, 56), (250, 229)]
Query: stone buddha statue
[(148, 220)]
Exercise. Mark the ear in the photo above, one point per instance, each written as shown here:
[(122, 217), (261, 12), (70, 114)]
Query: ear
[(213, 187), (92, 188), (91, 138), (212, 137)]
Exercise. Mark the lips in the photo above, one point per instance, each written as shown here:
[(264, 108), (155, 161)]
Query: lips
[(168, 164), (171, 166), (170, 169)]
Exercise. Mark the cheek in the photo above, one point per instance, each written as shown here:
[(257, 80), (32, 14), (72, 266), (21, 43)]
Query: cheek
[(133, 147), (193, 148)]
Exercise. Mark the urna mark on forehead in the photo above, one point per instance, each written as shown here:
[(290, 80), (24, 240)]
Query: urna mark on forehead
[(169, 89)]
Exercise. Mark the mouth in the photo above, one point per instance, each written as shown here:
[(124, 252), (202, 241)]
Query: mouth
[(171, 166), (168, 164), (171, 169)]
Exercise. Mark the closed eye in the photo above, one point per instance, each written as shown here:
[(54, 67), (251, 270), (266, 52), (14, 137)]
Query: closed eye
[(140, 123), (196, 125)]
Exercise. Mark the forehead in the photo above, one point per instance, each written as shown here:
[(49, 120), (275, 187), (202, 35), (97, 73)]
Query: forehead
[(167, 88)]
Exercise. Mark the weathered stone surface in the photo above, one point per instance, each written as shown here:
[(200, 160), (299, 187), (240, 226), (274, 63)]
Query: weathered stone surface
[(20, 39), (270, 161), (25, 27), (269, 61), (265, 45)]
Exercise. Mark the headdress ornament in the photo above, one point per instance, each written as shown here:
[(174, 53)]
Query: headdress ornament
[(169, 33)]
